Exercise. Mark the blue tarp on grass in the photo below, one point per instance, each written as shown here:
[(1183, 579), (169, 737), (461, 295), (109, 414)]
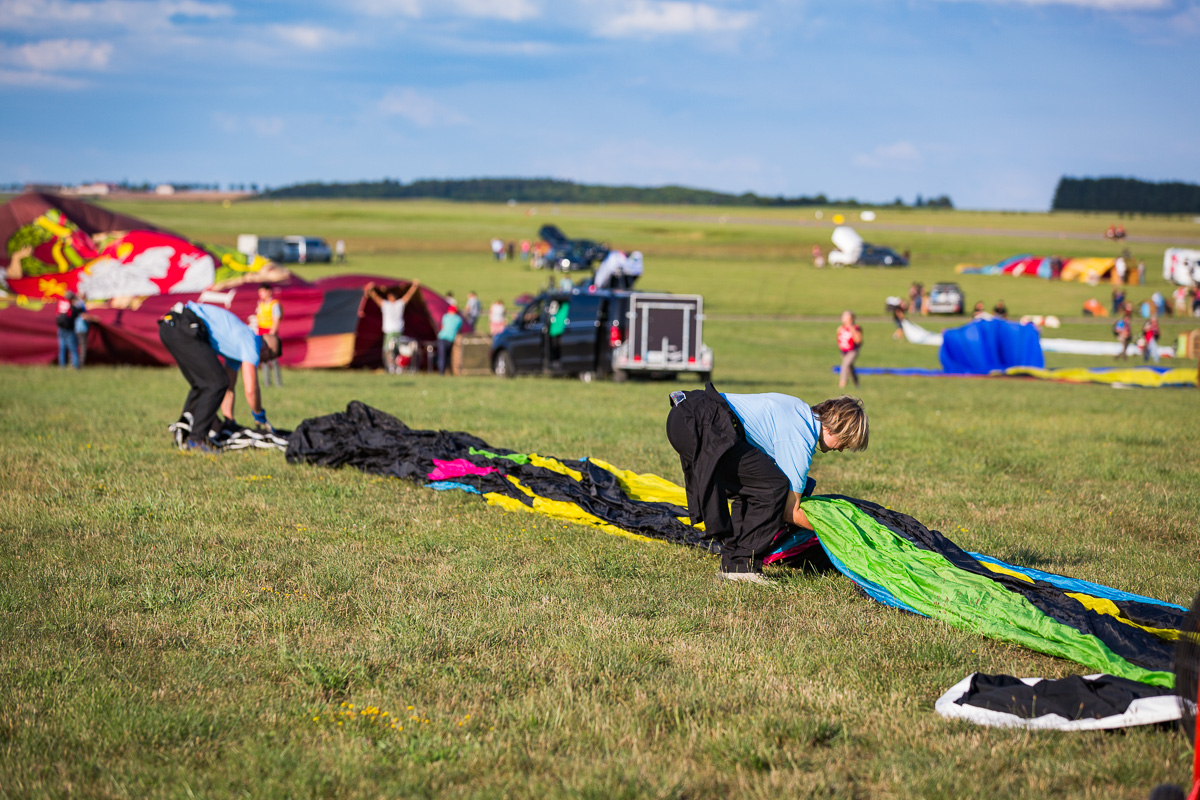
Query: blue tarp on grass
[(990, 345)]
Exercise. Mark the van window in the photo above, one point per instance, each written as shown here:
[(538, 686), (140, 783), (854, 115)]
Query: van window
[(584, 309), (532, 315)]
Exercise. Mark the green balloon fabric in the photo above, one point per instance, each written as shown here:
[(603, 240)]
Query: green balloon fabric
[(928, 583)]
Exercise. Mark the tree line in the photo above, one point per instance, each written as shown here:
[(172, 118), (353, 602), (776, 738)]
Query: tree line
[(547, 190), (1126, 195)]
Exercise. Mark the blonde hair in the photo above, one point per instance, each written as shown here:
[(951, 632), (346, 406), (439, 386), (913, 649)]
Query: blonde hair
[(845, 418)]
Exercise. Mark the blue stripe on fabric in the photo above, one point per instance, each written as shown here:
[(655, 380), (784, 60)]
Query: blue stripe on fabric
[(1076, 585), (874, 590), (445, 486)]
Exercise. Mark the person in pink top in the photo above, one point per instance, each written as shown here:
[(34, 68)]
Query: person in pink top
[(849, 339), (497, 317)]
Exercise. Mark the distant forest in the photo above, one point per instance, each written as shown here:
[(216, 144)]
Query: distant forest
[(1126, 195), (546, 190)]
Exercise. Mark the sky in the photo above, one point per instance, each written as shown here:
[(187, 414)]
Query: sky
[(987, 101)]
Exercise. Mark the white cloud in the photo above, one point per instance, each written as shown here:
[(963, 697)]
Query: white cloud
[(419, 109), (54, 15), (38, 80), (647, 18), (309, 37), (228, 123), (481, 47), (1099, 5), (899, 155), (265, 127), (57, 55), (38, 64), (511, 10), (1187, 21)]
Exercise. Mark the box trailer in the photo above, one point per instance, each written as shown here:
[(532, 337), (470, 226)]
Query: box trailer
[(664, 334)]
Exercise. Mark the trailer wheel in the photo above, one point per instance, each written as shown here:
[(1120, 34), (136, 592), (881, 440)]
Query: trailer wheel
[(704, 377), (619, 376)]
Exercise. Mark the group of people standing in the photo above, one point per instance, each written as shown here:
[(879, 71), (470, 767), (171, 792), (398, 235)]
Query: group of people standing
[(508, 252), (72, 324), (1147, 340)]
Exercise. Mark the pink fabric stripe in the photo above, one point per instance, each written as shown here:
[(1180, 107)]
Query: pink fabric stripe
[(797, 550), (445, 470)]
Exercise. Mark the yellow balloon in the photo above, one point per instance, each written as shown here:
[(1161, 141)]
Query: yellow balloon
[(838, 219)]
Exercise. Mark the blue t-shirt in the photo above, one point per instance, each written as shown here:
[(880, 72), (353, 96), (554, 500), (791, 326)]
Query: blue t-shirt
[(781, 426), (229, 336), (450, 325)]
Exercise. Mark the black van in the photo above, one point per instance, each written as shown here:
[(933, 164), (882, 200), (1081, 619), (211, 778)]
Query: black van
[(586, 332), (526, 346)]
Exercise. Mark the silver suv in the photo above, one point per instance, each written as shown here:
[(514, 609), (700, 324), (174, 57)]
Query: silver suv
[(946, 298)]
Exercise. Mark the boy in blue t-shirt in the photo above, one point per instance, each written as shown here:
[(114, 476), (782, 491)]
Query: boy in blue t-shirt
[(756, 450)]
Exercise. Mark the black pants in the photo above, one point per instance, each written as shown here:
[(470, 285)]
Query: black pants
[(743, 474), (199, 364)]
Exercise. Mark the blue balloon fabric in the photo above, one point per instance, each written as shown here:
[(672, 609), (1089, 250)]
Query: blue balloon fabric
[(990, 345)]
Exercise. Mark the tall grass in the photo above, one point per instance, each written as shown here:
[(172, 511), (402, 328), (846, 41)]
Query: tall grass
[(193, 626)]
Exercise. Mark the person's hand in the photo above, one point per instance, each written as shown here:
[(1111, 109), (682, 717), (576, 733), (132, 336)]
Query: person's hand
[(260, 418)]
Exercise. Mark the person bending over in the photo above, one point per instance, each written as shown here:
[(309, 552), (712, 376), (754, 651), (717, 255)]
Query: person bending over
[(756, 450), (199, 336)]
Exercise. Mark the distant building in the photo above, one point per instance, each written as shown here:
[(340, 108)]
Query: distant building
[(164, 189), (89, 189)]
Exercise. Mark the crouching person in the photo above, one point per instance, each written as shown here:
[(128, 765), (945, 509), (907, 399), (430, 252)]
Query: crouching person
[(756, 450)]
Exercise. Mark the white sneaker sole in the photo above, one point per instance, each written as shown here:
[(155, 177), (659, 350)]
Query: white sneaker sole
[(745, 577)]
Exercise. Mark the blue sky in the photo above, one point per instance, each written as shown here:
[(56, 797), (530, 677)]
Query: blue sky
[(989, 101)]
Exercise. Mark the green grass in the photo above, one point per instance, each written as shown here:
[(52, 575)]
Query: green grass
[(174, 624)]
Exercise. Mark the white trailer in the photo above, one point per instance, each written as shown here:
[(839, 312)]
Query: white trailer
[(1181, 266)]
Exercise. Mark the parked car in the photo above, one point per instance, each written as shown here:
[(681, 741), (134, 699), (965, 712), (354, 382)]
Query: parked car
[(947, 298), (852, 251), (602, 333), (876, 256), (570, 255), (293, 249)]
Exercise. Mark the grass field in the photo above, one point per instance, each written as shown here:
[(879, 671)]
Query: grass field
[(181, 626)]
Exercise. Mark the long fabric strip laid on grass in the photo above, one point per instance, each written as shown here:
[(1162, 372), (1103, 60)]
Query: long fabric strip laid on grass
[(890, 556)]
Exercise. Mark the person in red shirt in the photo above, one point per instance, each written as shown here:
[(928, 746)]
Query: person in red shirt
[(1150, 334), (849, 339)]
